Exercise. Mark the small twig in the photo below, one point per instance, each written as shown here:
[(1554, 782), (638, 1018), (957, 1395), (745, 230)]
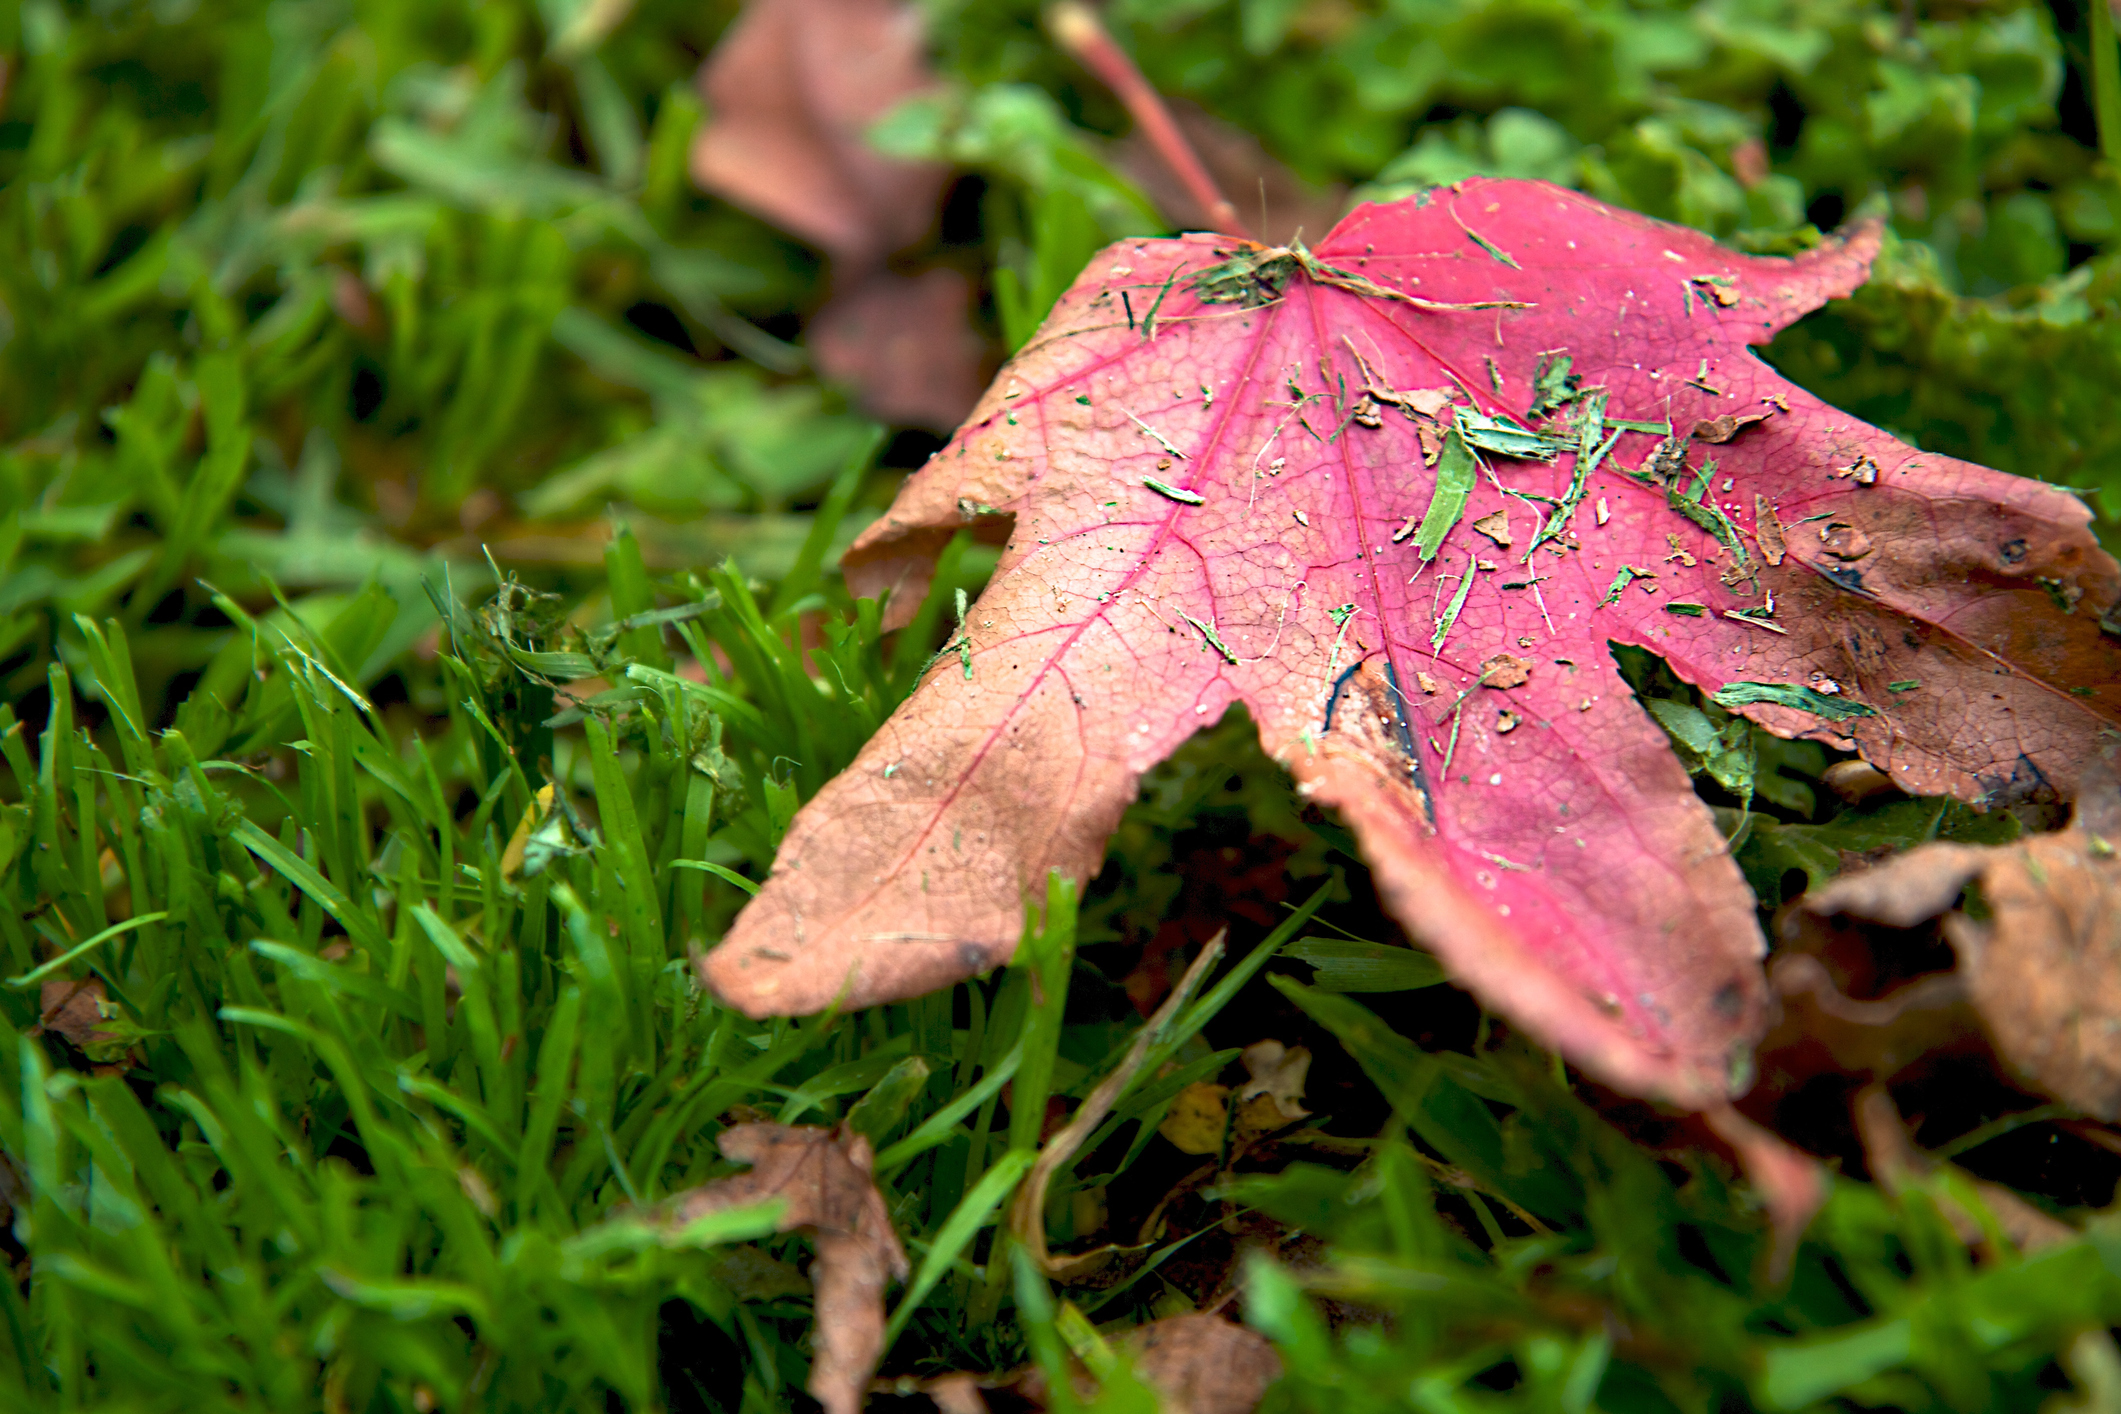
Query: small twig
[(1027, 1219), (1084, 36)]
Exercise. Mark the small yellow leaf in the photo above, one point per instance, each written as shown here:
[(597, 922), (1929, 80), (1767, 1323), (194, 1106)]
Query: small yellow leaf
[(1195, 1123)]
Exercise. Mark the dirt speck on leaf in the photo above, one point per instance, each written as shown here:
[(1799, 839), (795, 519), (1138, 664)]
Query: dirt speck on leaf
[(1767, 529), (1505, 671), (1726, 426), (1496, 526)]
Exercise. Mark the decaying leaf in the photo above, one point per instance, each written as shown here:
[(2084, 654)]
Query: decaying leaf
[(791, 92), (1898, 1167), (76, 1010), (906, 341), (2036, 952), (1274, 1094), (824, 1177), (1203, 1364), (1197, 1364), (1565, 871), (1198, 1118), (1875, 1038)]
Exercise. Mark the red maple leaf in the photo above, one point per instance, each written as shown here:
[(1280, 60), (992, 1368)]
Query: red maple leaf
[(1358, 490)]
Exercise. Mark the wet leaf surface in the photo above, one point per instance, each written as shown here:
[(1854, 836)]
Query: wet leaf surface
[(1564, 871)]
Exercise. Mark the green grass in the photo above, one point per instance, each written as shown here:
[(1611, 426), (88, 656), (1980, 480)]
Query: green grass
[(380, 412)]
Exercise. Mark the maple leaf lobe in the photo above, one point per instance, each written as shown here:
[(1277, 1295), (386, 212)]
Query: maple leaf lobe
[(1558, 861)]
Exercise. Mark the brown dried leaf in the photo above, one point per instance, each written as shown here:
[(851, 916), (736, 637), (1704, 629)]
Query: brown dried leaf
[(791, 91), (1197, 1364), (1912, 888), (2039, 967), (75, 1010), (1277, 1074), (1877, 1038), (1197, 1118), (957, 1394), (825, 1177), (1204, 1364), (1897, 1166), (906, 344)]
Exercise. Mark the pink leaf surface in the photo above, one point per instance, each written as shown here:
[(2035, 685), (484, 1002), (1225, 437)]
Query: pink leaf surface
[(1201, 508)]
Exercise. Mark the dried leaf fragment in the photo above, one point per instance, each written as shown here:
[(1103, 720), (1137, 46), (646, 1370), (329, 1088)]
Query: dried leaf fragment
[(1725, 427), (825, 1178), (1203, 1364), (1277, 1075), (1505, 671), (1496, 526), (906, 342), (1898, 1166), (2039, 968), (1196, 1363), (1768, 531), (75, 1010), (1197, 1119), (791, 91)]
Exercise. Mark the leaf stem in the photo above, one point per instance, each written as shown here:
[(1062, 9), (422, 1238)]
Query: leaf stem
[(1080, 32)]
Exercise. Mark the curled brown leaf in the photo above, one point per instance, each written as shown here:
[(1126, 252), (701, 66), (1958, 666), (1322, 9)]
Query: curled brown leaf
[(826, 1179), (791, 91), (1898, 1166), (1197, 1364), (2036, 954)]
